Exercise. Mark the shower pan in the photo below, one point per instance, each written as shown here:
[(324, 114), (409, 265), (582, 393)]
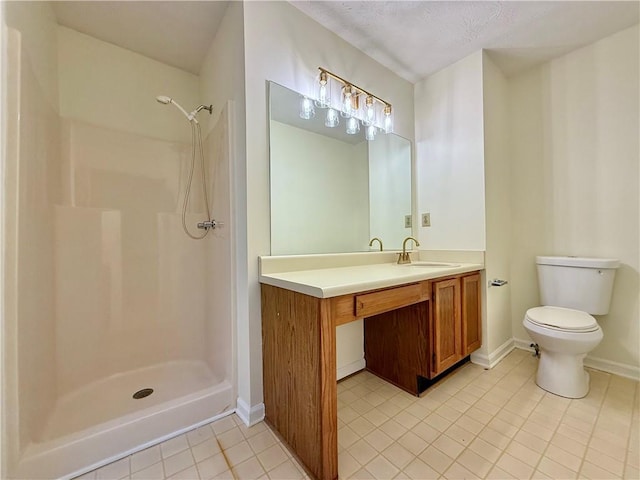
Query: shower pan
[(121, 330)]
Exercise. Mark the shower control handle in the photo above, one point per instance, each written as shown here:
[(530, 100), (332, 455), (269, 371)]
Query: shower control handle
[(209, 224)]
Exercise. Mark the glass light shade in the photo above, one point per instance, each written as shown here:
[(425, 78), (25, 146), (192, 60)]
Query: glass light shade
[(370, 133), (323, 93), (353, 126), (307, 110), (369, 116), (347, 104), (387, 124), (332, 119)]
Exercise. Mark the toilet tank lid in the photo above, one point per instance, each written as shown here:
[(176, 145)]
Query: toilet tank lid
[(584, 262)]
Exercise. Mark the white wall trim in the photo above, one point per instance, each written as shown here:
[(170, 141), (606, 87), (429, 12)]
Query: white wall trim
[(609, 366), (622, 369), (249, 415), (491, 360), (523, 344), (353, 367)]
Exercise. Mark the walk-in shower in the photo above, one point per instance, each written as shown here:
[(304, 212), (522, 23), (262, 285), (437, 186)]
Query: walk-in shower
[(196, 148), (119, 329)]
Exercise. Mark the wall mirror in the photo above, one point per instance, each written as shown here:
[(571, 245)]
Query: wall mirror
[(332, 192)]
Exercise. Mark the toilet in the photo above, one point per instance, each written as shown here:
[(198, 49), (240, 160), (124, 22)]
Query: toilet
[(572, 289)]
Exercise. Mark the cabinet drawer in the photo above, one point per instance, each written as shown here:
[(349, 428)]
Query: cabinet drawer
[(385, 300)]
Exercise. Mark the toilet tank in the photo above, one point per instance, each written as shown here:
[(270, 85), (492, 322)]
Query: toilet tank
[(577, 282)]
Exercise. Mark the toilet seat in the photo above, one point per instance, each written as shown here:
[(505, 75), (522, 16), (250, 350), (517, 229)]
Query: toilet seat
[(562, 319)]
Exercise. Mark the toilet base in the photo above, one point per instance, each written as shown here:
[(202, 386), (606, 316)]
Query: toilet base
[(562, 374)]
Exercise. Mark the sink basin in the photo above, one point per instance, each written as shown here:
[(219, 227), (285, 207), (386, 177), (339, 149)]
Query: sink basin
[(419, 263)]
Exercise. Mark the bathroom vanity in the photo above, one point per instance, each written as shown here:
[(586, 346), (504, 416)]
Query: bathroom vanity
[(418, 322)]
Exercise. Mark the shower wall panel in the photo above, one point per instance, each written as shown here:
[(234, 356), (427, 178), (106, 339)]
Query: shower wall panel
[(38, 190), (219, 264), (133, 288)]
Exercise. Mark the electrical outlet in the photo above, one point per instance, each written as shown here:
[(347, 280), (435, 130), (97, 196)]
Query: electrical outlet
[(426, 219), (407, 221)]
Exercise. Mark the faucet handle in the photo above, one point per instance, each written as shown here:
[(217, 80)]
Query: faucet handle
[(404, 258)]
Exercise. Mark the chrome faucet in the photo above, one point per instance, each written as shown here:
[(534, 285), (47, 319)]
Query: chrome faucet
[(373, 240), (405, 257)]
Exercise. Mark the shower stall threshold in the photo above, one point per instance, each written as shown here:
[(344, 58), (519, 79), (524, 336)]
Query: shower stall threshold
[(102, 422)]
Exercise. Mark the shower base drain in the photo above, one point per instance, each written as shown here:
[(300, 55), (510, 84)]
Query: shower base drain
[(145, 392)]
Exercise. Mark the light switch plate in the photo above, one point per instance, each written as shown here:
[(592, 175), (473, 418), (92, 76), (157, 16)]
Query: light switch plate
[(407, 221)]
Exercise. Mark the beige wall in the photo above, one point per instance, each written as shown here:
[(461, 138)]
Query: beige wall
[(463, 178), (497, 182), (574, 150), (284, 45), (449, 156)]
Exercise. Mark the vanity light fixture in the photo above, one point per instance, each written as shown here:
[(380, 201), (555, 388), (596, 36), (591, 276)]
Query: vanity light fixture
[(357, 105)]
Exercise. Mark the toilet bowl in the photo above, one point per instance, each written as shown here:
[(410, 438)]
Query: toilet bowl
[(564, 337), (571, 290)]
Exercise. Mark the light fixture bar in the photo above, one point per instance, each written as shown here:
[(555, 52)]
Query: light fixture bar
[(359, 90)]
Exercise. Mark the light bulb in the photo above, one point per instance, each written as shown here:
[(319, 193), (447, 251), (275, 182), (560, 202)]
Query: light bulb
[(370, 133), (347, 108), (353, 126), (324, 93), (369, 112), (388, 120), (332, 119), (307, 111)]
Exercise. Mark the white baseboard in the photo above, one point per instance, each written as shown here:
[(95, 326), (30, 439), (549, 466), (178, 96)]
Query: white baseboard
[(353, 367), (250, 416), (491, 360), (609, 366), (622, 369), (523, 344)]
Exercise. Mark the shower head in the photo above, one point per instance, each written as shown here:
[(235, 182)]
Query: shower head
[(166, 100)]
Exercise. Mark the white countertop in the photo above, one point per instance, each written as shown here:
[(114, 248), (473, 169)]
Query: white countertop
[(332, 282)]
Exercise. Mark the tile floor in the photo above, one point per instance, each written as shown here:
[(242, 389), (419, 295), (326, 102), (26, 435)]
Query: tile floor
[(476, 423)]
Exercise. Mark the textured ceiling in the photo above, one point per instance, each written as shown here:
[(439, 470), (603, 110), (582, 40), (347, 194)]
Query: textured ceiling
[(418, 38), (412, 38), (177, 33)]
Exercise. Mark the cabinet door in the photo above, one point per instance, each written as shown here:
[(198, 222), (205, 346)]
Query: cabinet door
[(446, 325), (471, 316)]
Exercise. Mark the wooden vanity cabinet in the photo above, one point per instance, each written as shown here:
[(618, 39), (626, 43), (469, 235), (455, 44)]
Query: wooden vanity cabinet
[(413, 332), (456, 321), (411, 345)]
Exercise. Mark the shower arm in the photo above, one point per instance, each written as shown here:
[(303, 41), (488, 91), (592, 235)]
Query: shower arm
[(203, 107)]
